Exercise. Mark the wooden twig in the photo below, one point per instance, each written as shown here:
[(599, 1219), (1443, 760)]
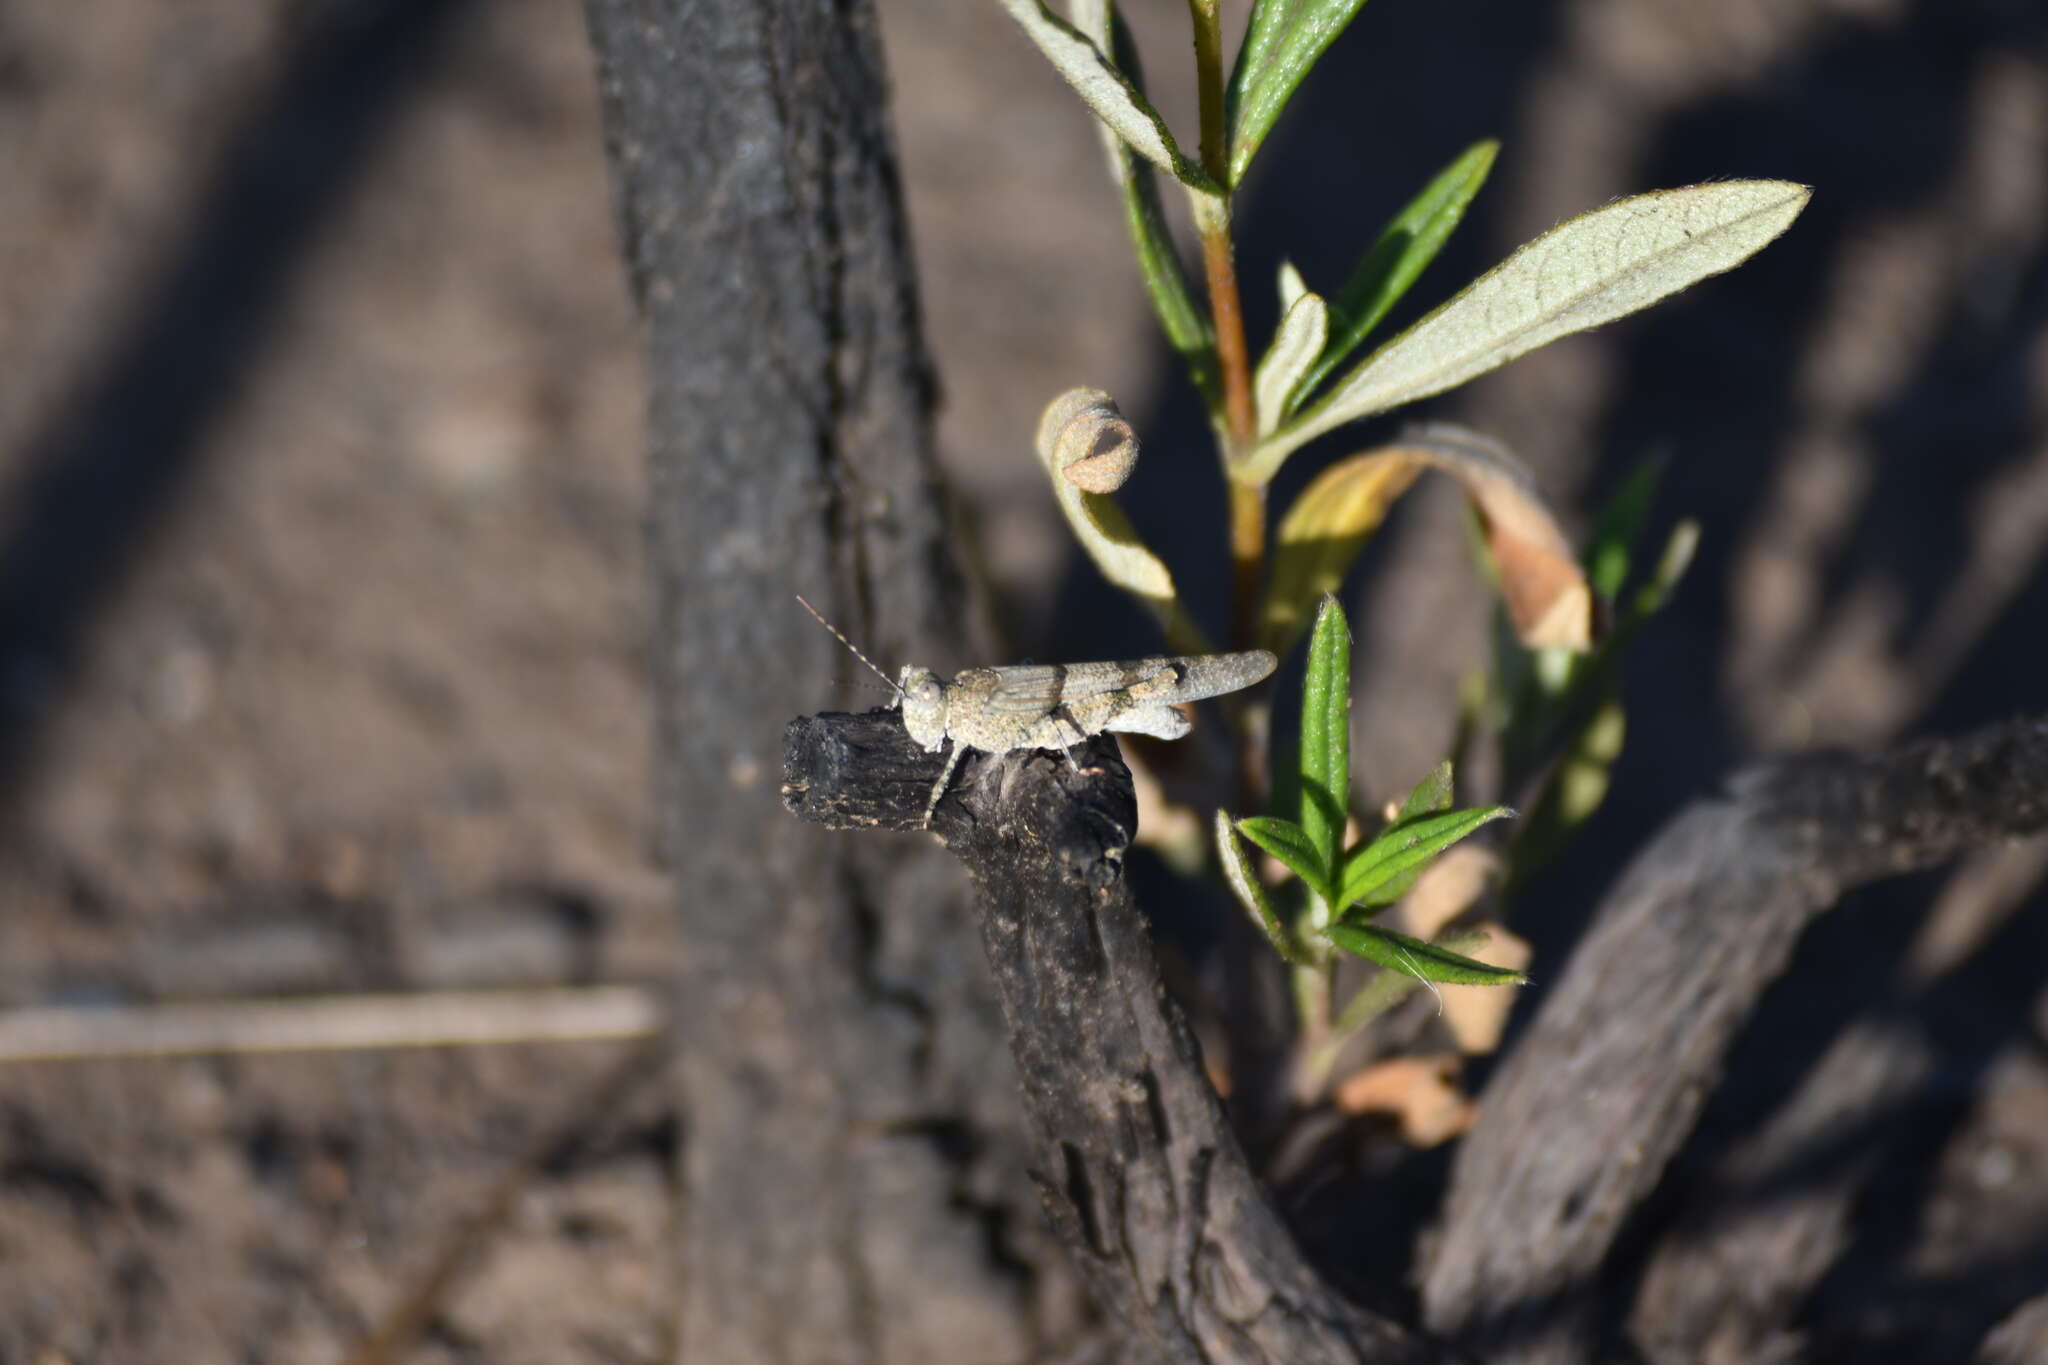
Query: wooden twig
[(330, 1023), (1140, 1172), (1578, 1125)]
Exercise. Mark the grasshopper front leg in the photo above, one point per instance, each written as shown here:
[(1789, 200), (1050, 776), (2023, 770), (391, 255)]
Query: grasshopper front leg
[(945, 779)]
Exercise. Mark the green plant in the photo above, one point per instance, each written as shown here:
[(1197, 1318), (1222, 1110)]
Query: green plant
[(1551, 703), (1339, 892)]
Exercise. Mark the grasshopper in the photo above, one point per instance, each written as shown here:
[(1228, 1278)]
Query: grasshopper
[(1054, 706)]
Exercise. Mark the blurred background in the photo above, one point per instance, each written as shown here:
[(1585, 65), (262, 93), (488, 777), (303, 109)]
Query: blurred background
[(321, 601)]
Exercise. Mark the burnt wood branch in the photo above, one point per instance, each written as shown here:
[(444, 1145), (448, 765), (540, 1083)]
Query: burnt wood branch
[(1579, 1123), (1140, 1173), (849, 1184)]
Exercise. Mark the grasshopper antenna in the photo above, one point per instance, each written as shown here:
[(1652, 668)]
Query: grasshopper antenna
[(850, 645)]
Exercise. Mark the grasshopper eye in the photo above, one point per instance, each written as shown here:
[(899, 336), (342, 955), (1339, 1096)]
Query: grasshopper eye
[(925, 690)]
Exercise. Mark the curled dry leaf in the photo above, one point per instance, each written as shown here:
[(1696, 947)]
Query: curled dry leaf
[(1071, 425), (1421, 1093), (1548, 599), (1094, 447)]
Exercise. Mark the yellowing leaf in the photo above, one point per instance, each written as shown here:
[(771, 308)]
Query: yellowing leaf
[(1547, 597), (1322, 533), (1083, 425)]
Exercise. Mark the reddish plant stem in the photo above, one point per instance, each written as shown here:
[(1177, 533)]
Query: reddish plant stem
[(1247, 502)]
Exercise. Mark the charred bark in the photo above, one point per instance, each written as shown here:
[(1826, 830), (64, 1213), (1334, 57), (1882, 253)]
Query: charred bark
[(1579, 1124), (1140, 1172), (851, 1183)]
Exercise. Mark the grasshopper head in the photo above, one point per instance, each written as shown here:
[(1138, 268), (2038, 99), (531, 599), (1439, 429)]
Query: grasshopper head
[(924, 706)]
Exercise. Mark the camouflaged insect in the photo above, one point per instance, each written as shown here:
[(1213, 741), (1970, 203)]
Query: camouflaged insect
[(1053, 706)]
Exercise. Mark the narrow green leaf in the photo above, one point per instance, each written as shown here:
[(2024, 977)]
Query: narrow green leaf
[(1105, 91), (1413, 957), (1577, 785), (1431, 795), (1583, 273), (1181, 317), (1679, 549), (1404, 250), (1289, 843), (1282, 41), (1384, 990), (1244, 880), (1296, 343), (1611, 546), (1326, 737), (1408, 844)]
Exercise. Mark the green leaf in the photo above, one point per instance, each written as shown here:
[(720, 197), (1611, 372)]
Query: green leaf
[(1431, 795), (1181, 317), (1282, 41), (1105, 90), (1406, 845), (1244, 880), (1296, 343), (1405, 248), (1289, 843), (1583, 273), (1326, 737), (1572, 793), (1413, 957), (1611, 546), (1384, 990), (1679, 549)]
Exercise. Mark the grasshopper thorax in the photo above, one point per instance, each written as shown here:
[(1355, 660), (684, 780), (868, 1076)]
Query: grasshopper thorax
[(924, 706)]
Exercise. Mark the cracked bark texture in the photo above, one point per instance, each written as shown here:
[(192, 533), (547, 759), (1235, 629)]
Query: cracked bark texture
[(852, 1186), (1140, 1172), (1578, 1126)]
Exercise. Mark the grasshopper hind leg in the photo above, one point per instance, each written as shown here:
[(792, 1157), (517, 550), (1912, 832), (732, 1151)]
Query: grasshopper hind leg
[(1154, 718)]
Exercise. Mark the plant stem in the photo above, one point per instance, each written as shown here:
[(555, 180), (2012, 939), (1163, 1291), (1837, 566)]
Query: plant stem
[(1233, 359), (1209, 87)]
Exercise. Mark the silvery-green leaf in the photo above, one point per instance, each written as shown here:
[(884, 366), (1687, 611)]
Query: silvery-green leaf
[(1584, 273), (1105, 90), (1296, 344), (1184, 321), (1292, 285), (1404, 249), (1282, 41)]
